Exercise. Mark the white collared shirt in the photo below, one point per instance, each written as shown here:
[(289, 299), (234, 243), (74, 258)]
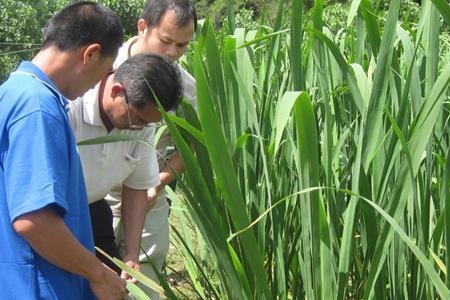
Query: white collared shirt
[(105, 166)]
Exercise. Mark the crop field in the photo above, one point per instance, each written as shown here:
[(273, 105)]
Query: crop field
[(319, 167)]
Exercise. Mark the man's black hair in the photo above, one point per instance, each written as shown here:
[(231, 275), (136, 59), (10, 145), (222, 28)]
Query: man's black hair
[(83, 23), (184, 10), (139, 72)]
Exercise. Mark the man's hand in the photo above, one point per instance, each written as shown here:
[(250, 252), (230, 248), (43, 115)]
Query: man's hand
[(152, 197), (109, 285), (49, 236), (133, 263)]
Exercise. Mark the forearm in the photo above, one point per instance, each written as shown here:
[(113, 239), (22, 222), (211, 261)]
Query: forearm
[(134, 211), (166, 176), (49, 236)]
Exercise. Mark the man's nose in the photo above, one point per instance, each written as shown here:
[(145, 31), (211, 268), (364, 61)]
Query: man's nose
[(172, 52)]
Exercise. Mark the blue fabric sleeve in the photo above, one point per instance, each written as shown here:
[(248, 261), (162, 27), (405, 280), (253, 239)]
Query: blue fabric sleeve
[(36, 165)]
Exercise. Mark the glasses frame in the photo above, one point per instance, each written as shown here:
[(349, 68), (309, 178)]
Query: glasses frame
[(132, 126)]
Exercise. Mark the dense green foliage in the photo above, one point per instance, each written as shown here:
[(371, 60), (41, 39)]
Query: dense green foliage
[(21, 23), (320, 167), (216, 10)]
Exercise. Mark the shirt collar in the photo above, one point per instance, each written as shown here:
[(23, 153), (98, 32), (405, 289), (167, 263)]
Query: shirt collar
[(91, 110)]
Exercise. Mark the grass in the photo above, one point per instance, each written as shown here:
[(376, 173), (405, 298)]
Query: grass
[(175, 269), (306, 140), (317, 165)]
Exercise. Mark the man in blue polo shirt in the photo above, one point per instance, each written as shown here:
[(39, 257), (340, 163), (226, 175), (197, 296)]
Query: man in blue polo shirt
[(46, 247)]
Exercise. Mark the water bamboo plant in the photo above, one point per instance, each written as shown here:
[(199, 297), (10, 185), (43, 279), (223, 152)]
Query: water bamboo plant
[(317, 164), (319, 167)]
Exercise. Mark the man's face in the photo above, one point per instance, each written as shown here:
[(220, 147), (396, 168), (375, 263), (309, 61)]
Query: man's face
[(168, 39), (143, 117), (103, 66), (92, 74), (126, 116), (88, 66)]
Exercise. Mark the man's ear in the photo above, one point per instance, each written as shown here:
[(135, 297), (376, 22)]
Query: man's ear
[(142, 27), (116, 89), (91, 53)]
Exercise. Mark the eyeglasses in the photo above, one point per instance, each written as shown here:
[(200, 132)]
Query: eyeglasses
[(133, 126)]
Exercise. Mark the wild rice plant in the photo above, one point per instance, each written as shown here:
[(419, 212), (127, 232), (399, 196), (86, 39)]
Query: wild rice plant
[(318, 167)]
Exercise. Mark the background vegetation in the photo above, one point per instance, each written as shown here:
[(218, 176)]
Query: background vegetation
[(21, 21), (320, 168)]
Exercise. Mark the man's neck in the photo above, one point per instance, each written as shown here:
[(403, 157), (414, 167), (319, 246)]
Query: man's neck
[(102, 99), (59, 66), (134, 45)]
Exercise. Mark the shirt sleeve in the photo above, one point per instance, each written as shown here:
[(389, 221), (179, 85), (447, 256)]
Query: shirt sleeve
[(189, 90), (74, 106), (146, 172), (36, 165)]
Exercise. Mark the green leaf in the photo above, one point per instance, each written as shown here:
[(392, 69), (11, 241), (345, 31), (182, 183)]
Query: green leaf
[(283, 114), (136, 274), (136, 291), (114, 138), (352, 12), (444, 9)]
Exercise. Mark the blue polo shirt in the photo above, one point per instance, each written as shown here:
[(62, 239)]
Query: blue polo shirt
[(39, 167)]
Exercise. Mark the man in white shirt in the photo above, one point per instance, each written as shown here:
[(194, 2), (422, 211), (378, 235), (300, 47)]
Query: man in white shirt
[(123, 104), (166, 27)]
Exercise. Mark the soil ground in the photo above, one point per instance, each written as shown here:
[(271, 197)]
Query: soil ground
[(175, 271)]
